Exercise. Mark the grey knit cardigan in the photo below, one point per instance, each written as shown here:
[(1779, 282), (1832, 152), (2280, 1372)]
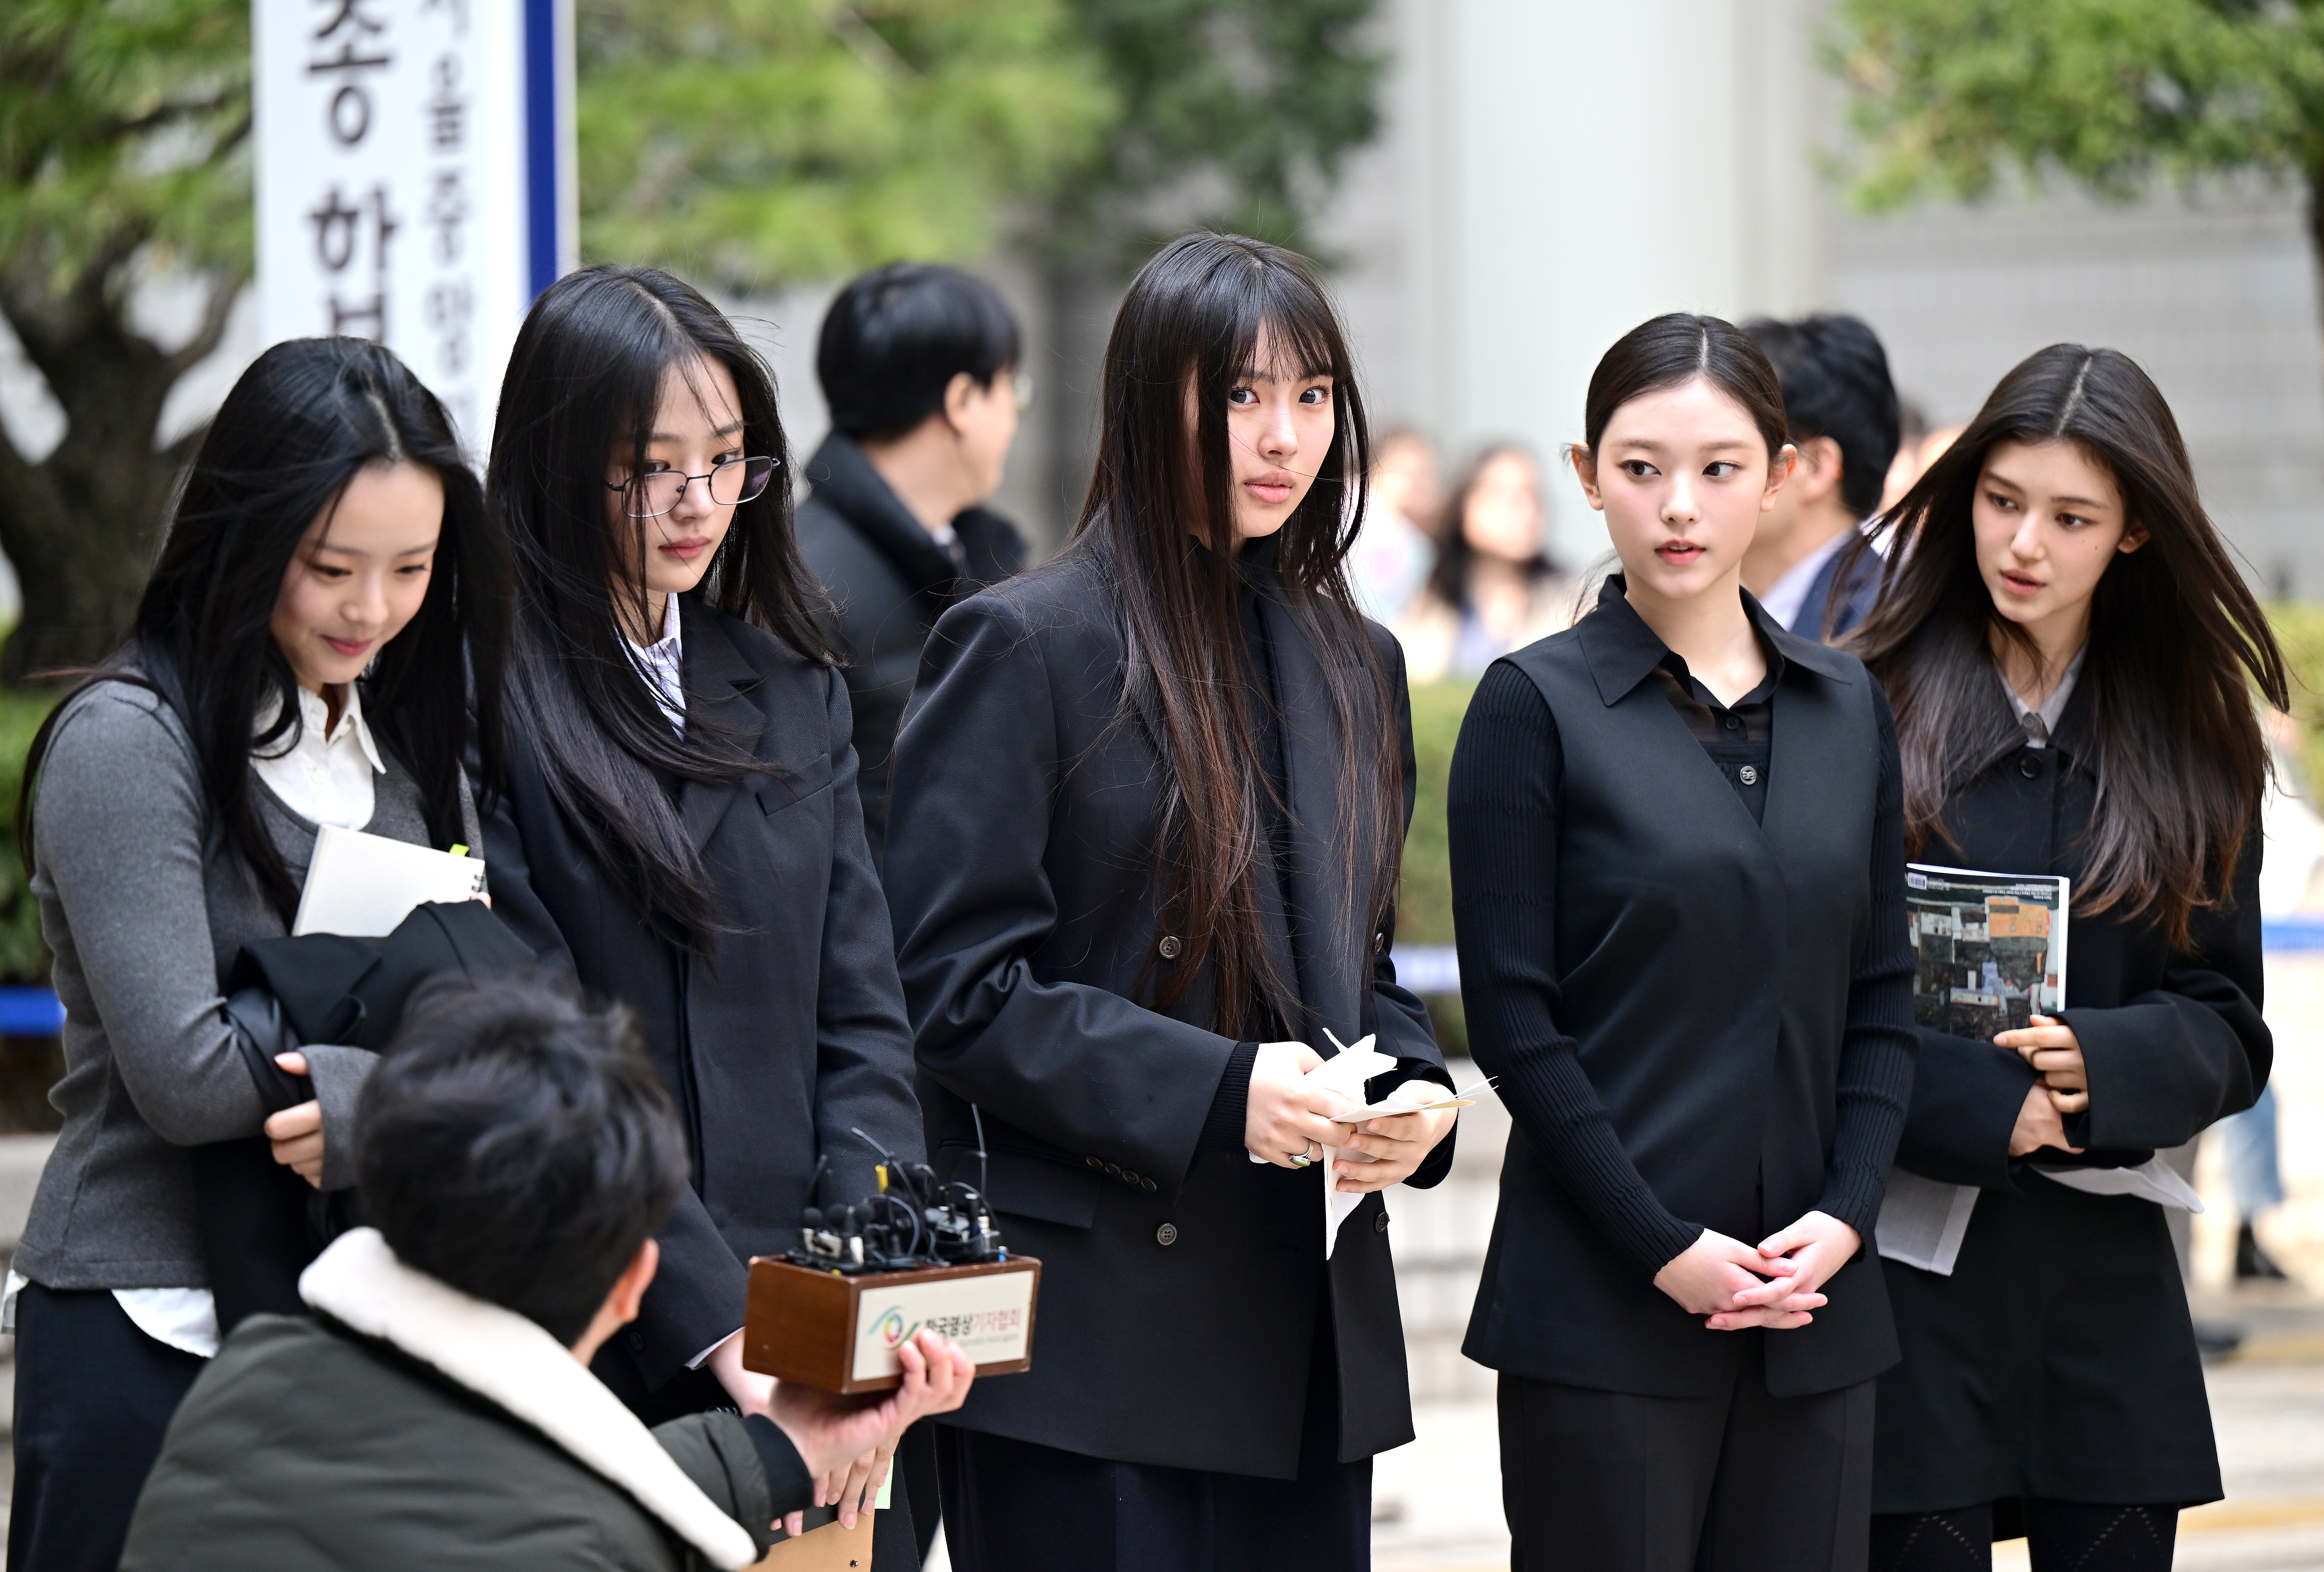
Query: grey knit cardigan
[(145, 913)]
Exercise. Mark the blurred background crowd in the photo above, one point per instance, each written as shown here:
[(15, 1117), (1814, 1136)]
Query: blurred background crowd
[(1495, 190)]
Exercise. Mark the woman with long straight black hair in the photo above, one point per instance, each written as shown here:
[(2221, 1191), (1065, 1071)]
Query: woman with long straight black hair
[(1146, 814), (2073, 660), (681, 797), (301, 656), (1678, 881)]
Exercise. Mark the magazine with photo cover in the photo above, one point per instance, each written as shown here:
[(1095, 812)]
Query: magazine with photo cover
[(1991, 955), (1991, 948)]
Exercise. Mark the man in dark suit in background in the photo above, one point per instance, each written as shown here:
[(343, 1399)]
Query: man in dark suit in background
[(919, 365), (1844, 422)]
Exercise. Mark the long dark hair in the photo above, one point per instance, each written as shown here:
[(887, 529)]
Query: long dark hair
[(1193, 316), (1676, 348), (1448, 581), (584, 382), (297, 425), (2177, 641)]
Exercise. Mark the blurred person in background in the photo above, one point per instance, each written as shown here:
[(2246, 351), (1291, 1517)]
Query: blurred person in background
[(918, 366), (1843, 414), (1495, 588), (1920, 447), (1394, 552), (2072, 657)]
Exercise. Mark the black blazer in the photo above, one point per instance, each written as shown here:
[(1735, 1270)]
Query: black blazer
[(792, 1031), (2058, 1360), (1723, 987), (889, 581), (1180, 1286)]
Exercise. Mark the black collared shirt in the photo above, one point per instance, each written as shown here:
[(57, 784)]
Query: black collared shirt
[(1739, 738)]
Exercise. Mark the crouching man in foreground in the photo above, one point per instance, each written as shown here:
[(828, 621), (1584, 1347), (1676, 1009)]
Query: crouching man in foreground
[(515, 1155)]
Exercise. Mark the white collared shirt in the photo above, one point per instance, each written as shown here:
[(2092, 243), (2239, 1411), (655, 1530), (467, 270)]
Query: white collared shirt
[(323, 775), (1787, 594), (661, 663)]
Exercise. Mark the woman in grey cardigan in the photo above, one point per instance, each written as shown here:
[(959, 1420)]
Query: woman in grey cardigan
[(172, 803)]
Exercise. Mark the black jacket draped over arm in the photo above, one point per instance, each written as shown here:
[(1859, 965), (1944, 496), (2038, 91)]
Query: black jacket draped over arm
[(1181, 1283)]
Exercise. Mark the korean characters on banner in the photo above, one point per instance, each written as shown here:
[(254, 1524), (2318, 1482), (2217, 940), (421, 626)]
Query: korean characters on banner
[(401, 170)]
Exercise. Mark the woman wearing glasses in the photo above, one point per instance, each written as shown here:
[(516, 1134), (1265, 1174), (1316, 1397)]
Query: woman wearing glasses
[(681, 795)]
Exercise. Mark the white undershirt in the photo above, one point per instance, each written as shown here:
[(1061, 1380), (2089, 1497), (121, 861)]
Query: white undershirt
[(2041, 724), (1787, 594), (661, 663)]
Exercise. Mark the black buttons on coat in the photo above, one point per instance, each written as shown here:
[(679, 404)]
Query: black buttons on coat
[(1169, 947), (1166, 1235), (2030, 766), (1130, 1177), (1379, 1224)]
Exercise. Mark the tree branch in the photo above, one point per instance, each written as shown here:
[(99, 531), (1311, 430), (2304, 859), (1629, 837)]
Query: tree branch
[(225, 289)]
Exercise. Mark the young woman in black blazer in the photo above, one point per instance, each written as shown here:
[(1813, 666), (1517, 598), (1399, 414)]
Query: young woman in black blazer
[(2072, 658), (1146, 818), (680, 792), (1678, 881)]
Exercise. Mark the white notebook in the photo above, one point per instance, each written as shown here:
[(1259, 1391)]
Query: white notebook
[(363, 886)]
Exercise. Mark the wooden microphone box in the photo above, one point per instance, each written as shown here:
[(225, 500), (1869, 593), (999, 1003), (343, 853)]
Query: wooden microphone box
[(840, 1334)]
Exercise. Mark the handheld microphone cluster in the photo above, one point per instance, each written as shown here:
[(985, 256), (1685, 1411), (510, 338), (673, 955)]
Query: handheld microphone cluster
[(915, 1220)]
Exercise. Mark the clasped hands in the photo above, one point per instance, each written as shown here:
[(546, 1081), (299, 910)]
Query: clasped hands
[(1288, 1123), (2051, 1047), (1778, 1284)]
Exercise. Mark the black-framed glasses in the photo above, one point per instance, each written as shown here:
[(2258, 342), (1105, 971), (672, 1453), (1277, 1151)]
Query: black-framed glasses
[(657, 491)]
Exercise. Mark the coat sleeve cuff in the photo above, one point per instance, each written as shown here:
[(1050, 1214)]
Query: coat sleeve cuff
[(1223, 1129), (1965, 1098), (789, 1486), (338, 1075)]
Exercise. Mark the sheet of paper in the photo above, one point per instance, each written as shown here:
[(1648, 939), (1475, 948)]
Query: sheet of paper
[(363, 886), (2152, 1180), (1345, 1074), (1922, 1221), (1391, 1108)]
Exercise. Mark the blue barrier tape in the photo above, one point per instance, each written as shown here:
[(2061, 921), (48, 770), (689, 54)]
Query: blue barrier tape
[(1425, 969)]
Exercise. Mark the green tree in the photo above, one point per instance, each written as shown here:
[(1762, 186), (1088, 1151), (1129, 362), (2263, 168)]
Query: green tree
[(124, 131), (1949, 95), (767, 142), (1234, 114)]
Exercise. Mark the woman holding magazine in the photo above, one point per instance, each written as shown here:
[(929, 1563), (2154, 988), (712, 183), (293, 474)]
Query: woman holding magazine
[(679, 820), (2072, 658), (296, 661), (1678, 882), (1148, 808)]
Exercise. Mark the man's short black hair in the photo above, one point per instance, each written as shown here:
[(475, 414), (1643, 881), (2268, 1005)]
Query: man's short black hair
[(1836, 384), (518, 1146), (895, 338)]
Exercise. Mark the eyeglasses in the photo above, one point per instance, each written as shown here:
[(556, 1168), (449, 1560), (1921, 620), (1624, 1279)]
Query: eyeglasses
[(657, 491)]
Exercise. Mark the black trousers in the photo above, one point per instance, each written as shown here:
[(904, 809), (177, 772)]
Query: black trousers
[(94, 1397), (1014, 1506), (2062, 1536), (1733, 1483)]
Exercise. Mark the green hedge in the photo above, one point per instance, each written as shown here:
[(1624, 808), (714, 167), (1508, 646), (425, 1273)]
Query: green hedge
[(24, 958)]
